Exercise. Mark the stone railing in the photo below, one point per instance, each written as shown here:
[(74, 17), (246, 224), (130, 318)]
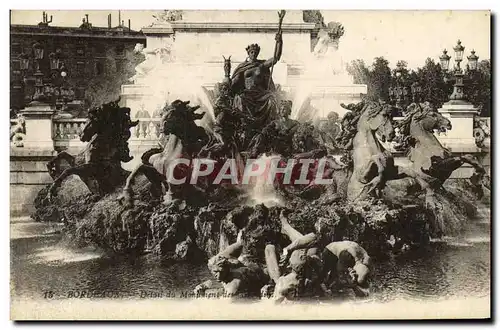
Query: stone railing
[(66, 131), (149, 129)]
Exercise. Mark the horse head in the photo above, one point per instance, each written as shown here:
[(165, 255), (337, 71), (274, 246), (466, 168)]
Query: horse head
[(109, 121), (179, 119), (426, 117), (92, 126), (377, 118)]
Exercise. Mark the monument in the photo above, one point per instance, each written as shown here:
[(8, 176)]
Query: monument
[(189, 47)]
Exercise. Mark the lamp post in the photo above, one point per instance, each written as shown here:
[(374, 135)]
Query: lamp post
[(400, 95), (38, 53), (65, 94), (460, 112), (458, 96), (38, 112)]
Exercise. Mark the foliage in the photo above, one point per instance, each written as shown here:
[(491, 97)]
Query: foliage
[(359, 71), (379, 79), (106, 87), (478, 88), (169, 16), (435, 88)]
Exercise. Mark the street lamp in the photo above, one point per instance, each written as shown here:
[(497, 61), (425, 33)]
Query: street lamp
[(472, 58), (38, 52), (458, 88), (444, 60), (416, 92), (399, 94), (459, 53)]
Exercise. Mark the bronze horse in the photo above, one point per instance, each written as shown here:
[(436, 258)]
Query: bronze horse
[(373, 165), (425, 151), (107, 130), (185, 140)]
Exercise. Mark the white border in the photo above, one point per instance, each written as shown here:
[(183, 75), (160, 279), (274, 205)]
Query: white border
[(213, 4)]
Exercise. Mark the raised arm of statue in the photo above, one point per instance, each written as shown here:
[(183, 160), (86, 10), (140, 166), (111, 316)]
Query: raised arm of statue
[(277, 55)]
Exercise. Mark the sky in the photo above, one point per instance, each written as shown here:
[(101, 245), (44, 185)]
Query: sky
[(412, 36)]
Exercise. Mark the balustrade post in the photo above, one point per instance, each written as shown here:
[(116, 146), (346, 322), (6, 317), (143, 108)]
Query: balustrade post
[(38, 118), (461, 137)]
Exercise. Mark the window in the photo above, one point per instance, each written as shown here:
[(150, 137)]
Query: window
[(99, 69), (100, 50), (80, 93), (80, 68), (80, 51), (16, 49), (120, 50), (16, 65), (119, 66)]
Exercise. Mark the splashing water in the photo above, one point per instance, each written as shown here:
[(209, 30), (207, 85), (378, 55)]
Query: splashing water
[(62, 254), (259, 190), (324, 67), (168, 80)]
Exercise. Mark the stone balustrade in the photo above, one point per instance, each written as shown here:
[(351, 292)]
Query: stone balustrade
[(149, 129), (66, 132)]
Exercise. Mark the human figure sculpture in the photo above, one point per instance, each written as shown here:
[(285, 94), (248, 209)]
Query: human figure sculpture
[(235, 277), (303, 264), (329, 129), (243, 267), (253, 88), (343, 263), (277, 135)]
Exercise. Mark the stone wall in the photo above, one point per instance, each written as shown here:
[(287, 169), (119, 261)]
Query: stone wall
[(28, 175)]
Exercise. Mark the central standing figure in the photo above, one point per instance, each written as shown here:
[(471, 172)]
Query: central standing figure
[(254, 90)]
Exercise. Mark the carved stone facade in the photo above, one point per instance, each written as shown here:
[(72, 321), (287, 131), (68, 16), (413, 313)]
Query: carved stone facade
[(70, 57)]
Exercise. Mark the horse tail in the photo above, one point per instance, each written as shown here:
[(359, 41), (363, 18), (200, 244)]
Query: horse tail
[(145, 156)]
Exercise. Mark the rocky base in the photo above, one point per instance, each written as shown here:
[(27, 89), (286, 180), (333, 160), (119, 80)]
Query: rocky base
[(195, 231)]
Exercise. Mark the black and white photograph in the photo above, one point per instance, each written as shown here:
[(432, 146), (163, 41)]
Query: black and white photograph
[(250, 164)]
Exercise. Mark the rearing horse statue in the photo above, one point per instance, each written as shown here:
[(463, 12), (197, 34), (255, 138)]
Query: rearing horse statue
[(185, 140), (373, 165), (425, 151), (107, 131)]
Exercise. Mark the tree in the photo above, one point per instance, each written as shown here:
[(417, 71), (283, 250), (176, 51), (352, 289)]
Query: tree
[(431, 80), (379, 79), (478, 87), (116, 72), (358, 70), (314, 16), (405, 75)]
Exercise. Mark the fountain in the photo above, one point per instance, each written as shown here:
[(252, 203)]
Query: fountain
[(363, 200), (184, 59), (324, 70)]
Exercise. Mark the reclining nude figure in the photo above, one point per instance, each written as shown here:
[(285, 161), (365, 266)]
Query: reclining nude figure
[(343, 263), (236, 278), (304, 263), (242, 267)]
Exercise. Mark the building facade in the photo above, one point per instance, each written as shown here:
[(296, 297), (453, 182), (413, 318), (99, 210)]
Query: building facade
[(74, 64)]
